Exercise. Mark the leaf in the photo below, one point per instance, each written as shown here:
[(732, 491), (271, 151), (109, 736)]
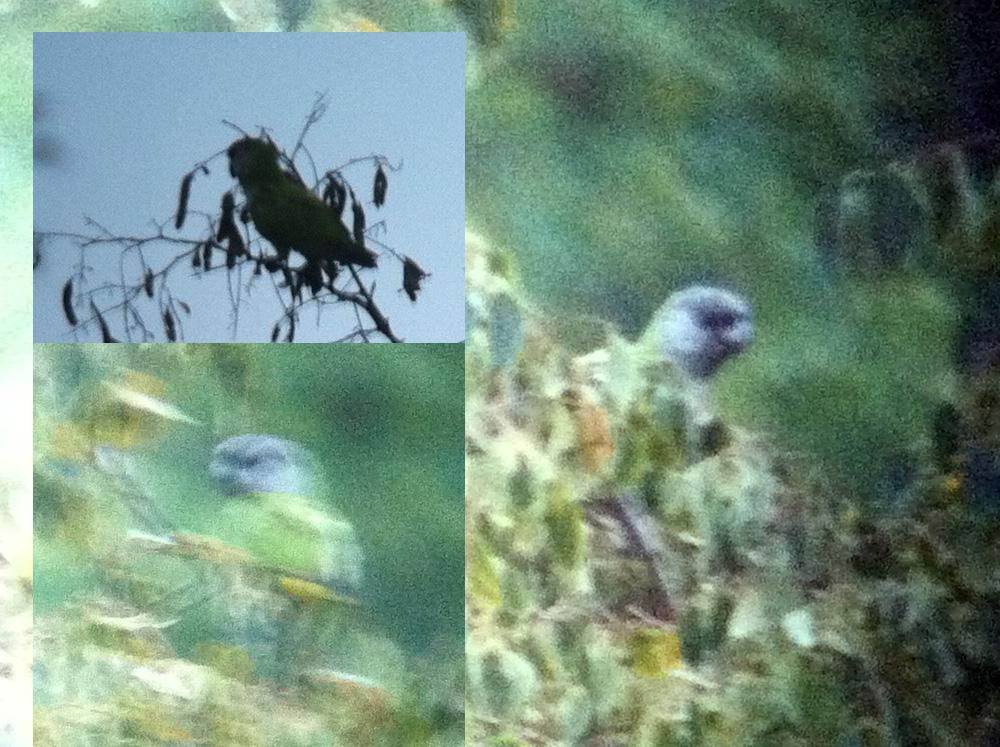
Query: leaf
[(309, 592), (593, 430), (184, 306), (564, 521), (251, 15), (655, 652), (484, 580), (140, 393), (381, 185), (182, 203), (67, 303)]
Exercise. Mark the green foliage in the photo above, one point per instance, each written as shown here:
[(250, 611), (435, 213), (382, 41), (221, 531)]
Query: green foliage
[(729, 595)]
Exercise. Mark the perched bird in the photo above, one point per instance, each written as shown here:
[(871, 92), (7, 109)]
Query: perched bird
[(289, 215), (286, 606), (273, 514), (700, 327)]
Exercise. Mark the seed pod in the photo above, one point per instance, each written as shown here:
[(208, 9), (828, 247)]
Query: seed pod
[(147, 283), (291, 329), (226, 224), (106, 335), (196, 256), (207, 256), (67, 303), (359, 221), (335, 195), (381, 185), (412, 275), (234, 249), (168, 326), (182, 203)]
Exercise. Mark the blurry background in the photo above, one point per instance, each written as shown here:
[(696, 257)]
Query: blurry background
[(620, 150)]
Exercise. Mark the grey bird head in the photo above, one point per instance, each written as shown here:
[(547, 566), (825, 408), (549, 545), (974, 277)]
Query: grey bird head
[(262, 464), (700, 327)]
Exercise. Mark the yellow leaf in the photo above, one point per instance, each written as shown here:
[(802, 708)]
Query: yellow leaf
[(655, 652), (484, 582)]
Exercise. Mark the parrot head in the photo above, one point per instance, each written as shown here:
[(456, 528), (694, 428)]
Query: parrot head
[(251, 157), (262, 464)]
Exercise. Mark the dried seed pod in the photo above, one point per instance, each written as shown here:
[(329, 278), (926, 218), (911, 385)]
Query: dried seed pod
[(67, 303), (234, 249), (275, 331), (168, 326), (196, 256), (207, 256), (147, 283), (106, 335), (412, 275), (227, 225), (359, 220), (381, 185), (182, 203), (335, 194)]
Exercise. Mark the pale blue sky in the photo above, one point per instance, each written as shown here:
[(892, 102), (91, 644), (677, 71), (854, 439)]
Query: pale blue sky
[(132, 113)]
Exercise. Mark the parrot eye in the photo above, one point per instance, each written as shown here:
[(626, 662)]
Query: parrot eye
[(718, 319)]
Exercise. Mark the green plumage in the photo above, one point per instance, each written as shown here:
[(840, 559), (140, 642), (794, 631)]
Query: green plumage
[(286, 213), (293, 534)]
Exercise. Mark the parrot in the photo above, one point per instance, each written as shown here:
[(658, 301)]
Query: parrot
[(287, 214), (272, 516), (304, 557)]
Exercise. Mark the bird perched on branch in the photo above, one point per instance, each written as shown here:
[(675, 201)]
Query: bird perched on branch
[(273, 516), (297, 558), (289, 215)]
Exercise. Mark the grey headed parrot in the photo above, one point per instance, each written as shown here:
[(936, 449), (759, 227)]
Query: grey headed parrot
[(287, 608), (272, 513)]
